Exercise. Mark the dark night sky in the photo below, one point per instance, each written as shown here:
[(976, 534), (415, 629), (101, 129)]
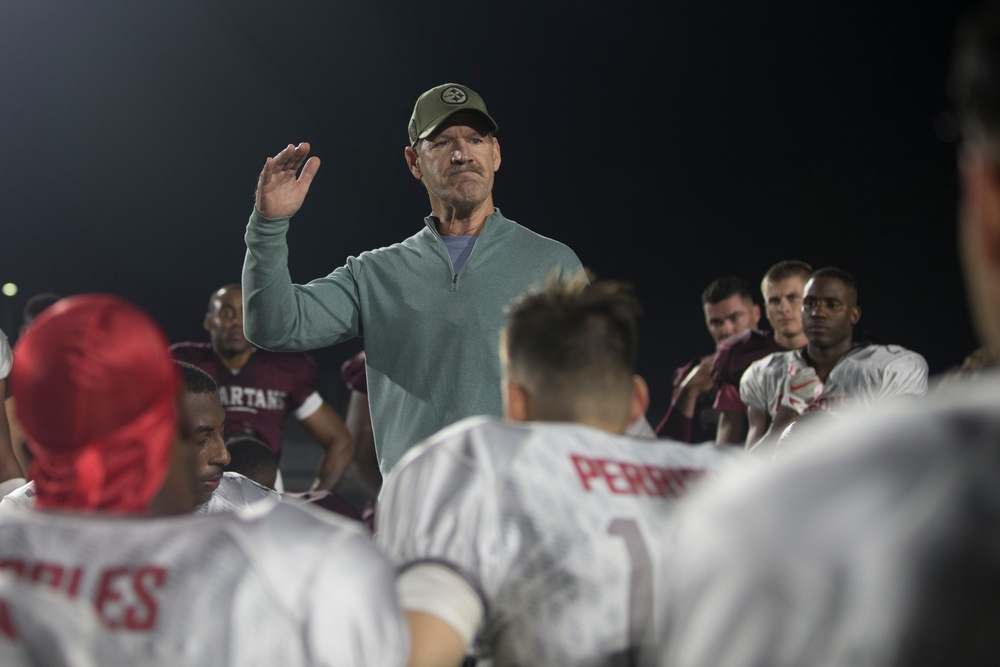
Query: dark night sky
[(667, 143)]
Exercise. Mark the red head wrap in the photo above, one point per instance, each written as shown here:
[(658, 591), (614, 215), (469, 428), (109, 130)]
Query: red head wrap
[(96, 391)]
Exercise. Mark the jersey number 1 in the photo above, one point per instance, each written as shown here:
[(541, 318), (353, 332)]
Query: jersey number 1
[(640, 598)]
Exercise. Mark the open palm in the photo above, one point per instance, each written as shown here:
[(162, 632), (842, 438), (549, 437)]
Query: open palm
[(281, 189)]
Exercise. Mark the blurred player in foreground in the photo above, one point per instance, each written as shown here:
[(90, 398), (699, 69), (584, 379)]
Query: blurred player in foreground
[(874, 543), (526, 542), (216, 490), (114, 463)]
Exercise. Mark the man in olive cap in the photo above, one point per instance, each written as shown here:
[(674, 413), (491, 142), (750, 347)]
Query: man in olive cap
[(431, 307)]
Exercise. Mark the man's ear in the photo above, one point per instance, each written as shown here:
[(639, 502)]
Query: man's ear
[(206, 323), (855, 314), (640, 399), (411, 161), (516, 401), (496, 154)]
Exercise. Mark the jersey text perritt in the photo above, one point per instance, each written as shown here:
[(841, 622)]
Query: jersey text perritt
[(635, 479)]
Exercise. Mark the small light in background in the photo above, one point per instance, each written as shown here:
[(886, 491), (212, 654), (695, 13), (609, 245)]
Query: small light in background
[(9, 289)]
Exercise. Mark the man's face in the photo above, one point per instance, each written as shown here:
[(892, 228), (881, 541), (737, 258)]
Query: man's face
[(224, 323), (457, 163), (783, 305), (730, 316), (208, 420), (829, 312)]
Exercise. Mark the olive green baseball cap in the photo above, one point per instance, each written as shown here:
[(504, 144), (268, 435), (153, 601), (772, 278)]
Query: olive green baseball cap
[(439, 103)]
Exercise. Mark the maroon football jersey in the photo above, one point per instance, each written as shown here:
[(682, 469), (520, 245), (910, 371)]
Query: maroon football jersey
[(259, 396), (734, 356)]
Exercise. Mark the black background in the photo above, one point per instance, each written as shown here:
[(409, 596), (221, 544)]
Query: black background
[(667, 143)]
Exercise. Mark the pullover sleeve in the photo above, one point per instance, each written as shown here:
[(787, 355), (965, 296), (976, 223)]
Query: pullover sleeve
[(282, 316), (905, 373)]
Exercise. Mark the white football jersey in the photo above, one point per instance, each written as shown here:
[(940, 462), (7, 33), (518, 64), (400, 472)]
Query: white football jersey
[(551, 525), (234, 492), (864, 376), (40, 628), (872, 543), (6, 357), (273, 584)]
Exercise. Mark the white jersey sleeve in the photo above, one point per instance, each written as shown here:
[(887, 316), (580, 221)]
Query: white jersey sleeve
[(342, 592), (761, 381), (20, 497), (309, 406), (234, 493), (356, 618), (904, 372), (6, 356), (550, 525), (456, 522)]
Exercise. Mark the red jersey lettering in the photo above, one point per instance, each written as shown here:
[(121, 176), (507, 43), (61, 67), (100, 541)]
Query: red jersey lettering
[(635, 479), (14, 566), (125, 598), (7, 626), (147, 580), (46, 573), (584, 468)]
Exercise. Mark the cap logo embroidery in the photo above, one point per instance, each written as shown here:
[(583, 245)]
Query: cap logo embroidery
[(454, 95)]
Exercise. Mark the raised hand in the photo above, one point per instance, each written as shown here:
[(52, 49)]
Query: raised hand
[(699, 379), (281, 189), (695, 383)]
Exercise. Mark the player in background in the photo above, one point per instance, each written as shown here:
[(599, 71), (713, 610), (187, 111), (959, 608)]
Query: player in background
[(252, 458), (358, 420), (782, 288), (259, 388), (217, 491), (831, 371), (99, 399), (525, 541)]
